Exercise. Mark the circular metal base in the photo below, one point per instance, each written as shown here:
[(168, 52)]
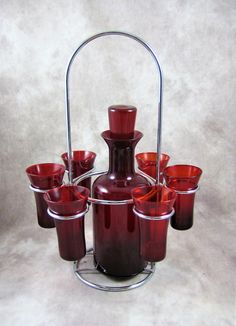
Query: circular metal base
[(89, 275)]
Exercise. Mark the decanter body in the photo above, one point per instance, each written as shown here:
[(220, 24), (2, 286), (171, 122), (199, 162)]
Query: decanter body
[(116, 228)]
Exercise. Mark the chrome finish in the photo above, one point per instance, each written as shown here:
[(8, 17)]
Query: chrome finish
[(110, 202), (82, 176), (187, 192), (147, 273), (42, 191), (156, 218), (105, 201), (67, 98), (88, 174), (65, 218)]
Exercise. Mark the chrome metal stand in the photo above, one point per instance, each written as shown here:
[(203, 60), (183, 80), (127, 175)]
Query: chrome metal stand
[(90, 269), (159, 104)]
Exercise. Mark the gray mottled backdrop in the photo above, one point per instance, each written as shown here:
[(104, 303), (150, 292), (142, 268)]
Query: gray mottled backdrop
[(195, 41)]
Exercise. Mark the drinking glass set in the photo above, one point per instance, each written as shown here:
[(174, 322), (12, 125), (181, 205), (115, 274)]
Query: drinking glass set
[(131, 209)]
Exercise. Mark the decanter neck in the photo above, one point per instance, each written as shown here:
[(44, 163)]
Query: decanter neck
[(121, 154)]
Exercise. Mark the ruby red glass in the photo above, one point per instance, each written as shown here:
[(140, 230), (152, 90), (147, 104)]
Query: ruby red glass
[(67, 201), (45, 175), (82, 162), (42, 177), (147, 163), (122, 121), (183, 178), (44, 220), (71, 238), (116, 228), (153, 201)]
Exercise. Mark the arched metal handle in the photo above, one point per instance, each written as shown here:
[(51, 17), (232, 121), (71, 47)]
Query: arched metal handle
[(67, 98)]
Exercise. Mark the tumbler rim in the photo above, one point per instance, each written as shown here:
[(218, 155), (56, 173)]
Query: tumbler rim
[(67, 199), (170, 190), (162, 205), (175, 176), (64, 155), (139, 155), (60, 169), (79, 188), (143, 161)]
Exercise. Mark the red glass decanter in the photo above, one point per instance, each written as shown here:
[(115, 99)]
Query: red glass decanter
[(116, 228)]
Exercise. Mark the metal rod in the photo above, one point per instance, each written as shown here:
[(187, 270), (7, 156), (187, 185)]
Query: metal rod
[(159, 104)]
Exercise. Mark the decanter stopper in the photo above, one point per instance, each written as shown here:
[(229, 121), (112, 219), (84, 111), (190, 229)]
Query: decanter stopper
[(122, 121)]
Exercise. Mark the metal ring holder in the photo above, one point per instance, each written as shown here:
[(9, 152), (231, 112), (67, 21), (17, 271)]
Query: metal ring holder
[(156, 218), (42, 191), (107, 202), (149, 270), (67, 218), (187, 192)]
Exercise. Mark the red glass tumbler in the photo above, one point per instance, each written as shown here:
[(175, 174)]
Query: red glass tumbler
[(43, 177), (184, 180), (147, 163), (67, 206), (153, 205), (82, 162)]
